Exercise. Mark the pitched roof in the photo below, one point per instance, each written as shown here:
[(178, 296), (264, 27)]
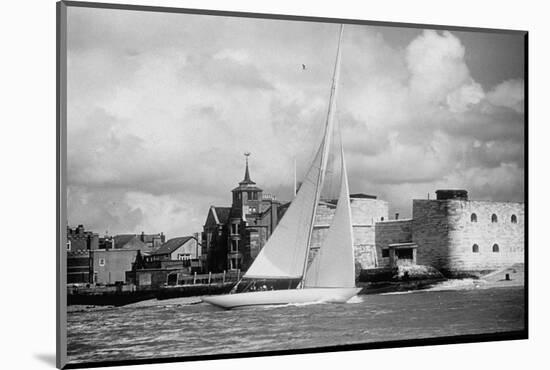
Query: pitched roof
[(122, 240), (150, 237), (171, 245), (222, 214)]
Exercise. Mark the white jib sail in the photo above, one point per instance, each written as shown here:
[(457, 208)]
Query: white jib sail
[(334, 264), (283, 254)]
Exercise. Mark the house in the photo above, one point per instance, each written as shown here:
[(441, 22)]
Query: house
[(109, 266), (184, 248), (214, 239)]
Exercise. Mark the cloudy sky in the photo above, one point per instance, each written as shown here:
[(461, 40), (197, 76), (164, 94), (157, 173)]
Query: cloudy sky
[(161, 108)]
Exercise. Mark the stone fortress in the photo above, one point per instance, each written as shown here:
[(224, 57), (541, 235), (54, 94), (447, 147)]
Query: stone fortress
[(451, 233)]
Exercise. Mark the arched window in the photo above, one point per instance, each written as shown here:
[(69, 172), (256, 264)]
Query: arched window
[(475, 248), (494, 218), (473, 217), (381, 218), (495, 248), (514, 219)]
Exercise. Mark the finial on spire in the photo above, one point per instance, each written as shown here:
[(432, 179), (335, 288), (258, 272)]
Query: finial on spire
[(246, 173)]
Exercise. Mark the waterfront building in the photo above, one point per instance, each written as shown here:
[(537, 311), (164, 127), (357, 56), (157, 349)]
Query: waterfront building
[(78, 239), (109, 266), (366, 211), (233, 236), (78, 267), (214, 239), (455, 235), (185, 248), (95, 260), (176, 258), (79, 243)]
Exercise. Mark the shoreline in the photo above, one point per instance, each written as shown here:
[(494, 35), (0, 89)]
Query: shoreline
[(484, 283)]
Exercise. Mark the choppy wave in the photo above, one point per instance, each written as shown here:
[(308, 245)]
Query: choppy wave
[(457, 284), (198, 329), (356, 299)]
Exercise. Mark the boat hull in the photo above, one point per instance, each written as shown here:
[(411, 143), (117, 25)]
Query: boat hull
[(280, 297)]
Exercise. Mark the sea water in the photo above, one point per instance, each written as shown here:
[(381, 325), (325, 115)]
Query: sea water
[(168, 329)]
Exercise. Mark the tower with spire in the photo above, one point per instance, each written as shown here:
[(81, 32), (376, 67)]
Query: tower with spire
[(233, 236), (247, 197), (245, 214)]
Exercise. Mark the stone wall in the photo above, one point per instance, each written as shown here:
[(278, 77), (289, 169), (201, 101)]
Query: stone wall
[(446, 232), (390, 232), (430, 231), (365, 213)]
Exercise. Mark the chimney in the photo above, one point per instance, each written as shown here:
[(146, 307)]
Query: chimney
[(397, 216)]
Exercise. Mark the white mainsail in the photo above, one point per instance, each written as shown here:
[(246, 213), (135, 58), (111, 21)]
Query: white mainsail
[(286, 251), (331, 276)]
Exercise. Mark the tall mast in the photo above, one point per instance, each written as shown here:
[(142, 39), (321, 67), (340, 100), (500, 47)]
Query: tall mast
[(326, 146)]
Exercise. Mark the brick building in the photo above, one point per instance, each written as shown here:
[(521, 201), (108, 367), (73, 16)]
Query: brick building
[(233, 236), (95, 260), (79, 239)]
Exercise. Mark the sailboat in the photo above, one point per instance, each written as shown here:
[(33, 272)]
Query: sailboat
[(283, 261)]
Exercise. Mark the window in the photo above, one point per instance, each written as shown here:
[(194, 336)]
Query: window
[(514, 219), (385, 253), (252, 195), (475, 248), (234, 245), (68, 245), (235, 228), (382, 218), (473, 217), (495, 248), (494, 218), (184, 256), (208, 239), (102, 262)]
